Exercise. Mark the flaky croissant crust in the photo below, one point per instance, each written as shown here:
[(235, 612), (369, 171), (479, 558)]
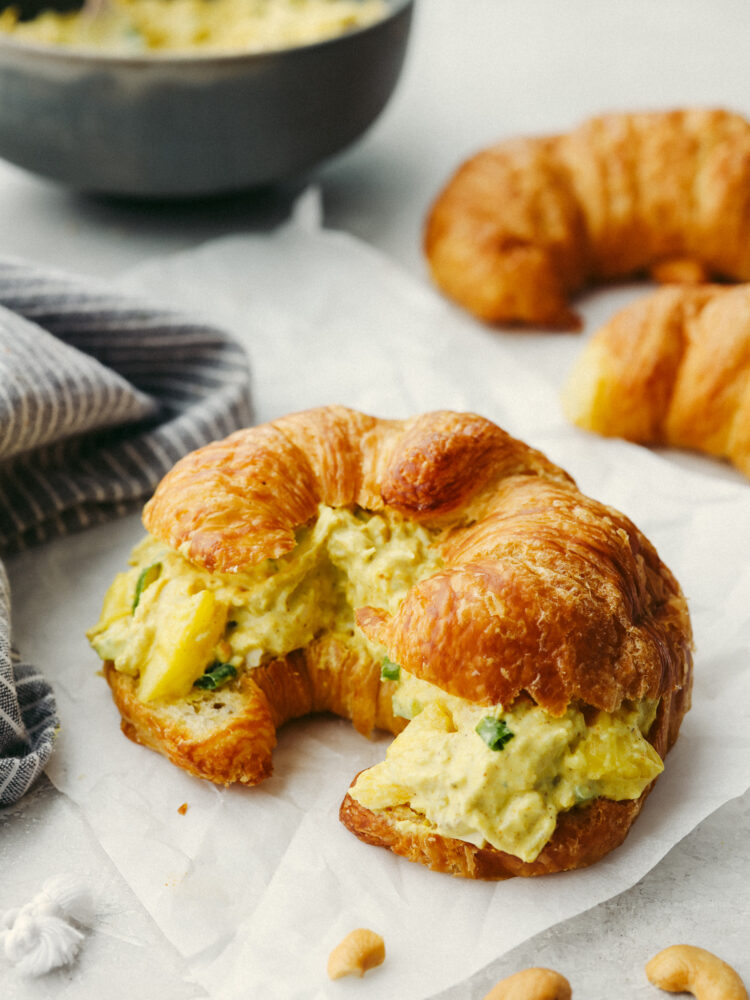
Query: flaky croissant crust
[(544, 590), (524, 225), (672, 368)]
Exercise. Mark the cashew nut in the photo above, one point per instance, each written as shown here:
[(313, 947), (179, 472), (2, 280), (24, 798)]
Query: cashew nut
[(359, 951), (532, 984), (686, 969)]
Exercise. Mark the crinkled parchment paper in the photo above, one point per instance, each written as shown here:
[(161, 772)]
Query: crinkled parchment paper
[(254, 887)]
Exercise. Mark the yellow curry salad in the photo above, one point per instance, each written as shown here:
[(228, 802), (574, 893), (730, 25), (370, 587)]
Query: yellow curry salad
[(174, 624), (489, 775), (485, 774), (185, 25)]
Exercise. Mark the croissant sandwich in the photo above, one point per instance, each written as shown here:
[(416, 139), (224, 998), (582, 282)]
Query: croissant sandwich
[(673, 369), (525, 225), (433, 577)]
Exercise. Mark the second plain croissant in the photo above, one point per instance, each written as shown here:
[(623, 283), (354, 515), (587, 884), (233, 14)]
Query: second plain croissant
[(673, 369), (523, 226)]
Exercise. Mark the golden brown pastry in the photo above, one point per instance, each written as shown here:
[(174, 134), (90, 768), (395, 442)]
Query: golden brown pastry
[(522, 227), (672, 368), (433, 570)]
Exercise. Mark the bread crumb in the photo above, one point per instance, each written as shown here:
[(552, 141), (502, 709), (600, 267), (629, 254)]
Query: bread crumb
[(183, 809)]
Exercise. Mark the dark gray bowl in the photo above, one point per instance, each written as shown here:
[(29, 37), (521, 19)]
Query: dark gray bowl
[(179, 126)]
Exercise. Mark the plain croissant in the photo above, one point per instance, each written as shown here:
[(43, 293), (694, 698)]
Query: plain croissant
[(673, 368), (523, 226)]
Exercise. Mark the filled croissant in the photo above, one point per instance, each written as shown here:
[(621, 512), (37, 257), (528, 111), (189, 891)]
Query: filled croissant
[(433, 577), (522, 227), (672, 368)]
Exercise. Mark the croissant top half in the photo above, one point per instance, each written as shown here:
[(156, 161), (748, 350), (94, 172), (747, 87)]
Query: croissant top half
[(543, 590), (524, 225)]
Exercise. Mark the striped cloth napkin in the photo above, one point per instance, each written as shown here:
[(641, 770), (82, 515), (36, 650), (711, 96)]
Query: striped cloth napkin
[(99, 396)]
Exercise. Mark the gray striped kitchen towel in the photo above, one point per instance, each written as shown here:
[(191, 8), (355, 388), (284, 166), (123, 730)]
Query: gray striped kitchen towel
[(99, 396)]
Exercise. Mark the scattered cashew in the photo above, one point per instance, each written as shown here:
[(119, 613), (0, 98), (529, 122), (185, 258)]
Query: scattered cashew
[(686, 969), (532, 984), (359, 951)]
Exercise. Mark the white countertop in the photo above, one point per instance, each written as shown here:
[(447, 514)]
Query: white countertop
[(476, 71)]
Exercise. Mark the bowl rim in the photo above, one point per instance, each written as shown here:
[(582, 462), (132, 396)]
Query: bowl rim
[(154, 59)]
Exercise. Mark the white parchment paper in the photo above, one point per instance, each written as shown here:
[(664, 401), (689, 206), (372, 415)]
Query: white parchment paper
[(255, 887)]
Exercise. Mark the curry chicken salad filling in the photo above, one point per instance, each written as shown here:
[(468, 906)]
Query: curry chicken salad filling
[(489, 775), (170, 622), (183, 26), (484, 774)]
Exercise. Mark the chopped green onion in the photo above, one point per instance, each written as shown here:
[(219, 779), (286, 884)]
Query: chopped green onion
[(217, 675), (148, 575), (389, 671), (494, 732)]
